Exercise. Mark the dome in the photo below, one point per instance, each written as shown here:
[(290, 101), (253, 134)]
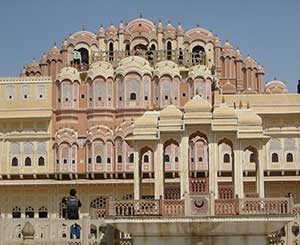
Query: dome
[(197, 104), (171, 111), (227, 45), (134, 64), (140, 25), (276, 87), (149, 119), (44, 59), (249, 118), (238, 54), (180, 30), (224, 111), (101, 32), (112, 29), (101, 68), (54, 54), (166, 68)]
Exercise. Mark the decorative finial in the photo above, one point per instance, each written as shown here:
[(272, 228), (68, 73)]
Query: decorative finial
[(169, 21), (126, 22), (223, 99), (241, 105), (54, 43), (141, 14), (248, 105), (179, 23), (198, 24), (234, 105), (275, 78), (84, 27), (111, 22), (101, 26)]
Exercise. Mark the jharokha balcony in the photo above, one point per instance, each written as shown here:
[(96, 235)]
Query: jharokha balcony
[(181, 57)]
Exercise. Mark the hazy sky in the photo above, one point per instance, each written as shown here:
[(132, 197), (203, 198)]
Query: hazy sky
[(268, 30)]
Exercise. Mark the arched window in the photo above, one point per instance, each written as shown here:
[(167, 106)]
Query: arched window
[(41, 161), (274, 157), (176, 159), (198, 55), (252, 157), (27, 161), (29, 212), (65, 161), (167, 158), (131, 158), (43, 213), (132, 96), (14, 162), (226, 158), (16, 213), (289, 157), (108, 160), (200, 159), (169, 50), (98, 159), (84, 56), (127, 50), (120, 159), (146, 158), (111, 51)]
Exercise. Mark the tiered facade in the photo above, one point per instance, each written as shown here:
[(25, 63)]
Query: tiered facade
[(149, 120)]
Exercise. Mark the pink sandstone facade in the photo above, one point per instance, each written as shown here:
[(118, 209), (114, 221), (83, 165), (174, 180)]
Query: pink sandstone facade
[(151, 124)]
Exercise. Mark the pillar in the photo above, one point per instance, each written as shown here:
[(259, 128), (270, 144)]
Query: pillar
[(260, 184), (159, 171), (213, 171), (137, 175), (184, 171), (238, 184)]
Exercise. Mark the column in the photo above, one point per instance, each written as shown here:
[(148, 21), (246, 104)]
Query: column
[(238, 184), (159, 171), (137, 175), (260, 185), (213, 171), (184, 171)]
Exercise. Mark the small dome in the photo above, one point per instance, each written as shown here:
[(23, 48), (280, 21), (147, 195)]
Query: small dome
[(249, 118), (197, 104), (69, 73), (149, 119), (112, 29), (217, 41), (180, 30), (171, 111), (170, 27), (101, 32), (227, 45), (101, 68), (54, 53), (238, 54), (224, 111), (44, 59)]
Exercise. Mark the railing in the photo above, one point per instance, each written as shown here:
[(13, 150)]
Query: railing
[(134, 208), (296, 209), (226, 206), (264, 206), (199, 186), (225, 191), (253, 206), (153, 56), (173, 207)]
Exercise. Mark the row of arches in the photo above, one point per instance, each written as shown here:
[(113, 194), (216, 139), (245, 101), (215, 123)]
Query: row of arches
[(28, 154), (29, 212), (132, 91)]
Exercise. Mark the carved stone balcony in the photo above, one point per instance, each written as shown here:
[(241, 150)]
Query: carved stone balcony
[(254, 206)]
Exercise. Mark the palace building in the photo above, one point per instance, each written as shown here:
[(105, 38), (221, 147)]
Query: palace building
[(168, 135)]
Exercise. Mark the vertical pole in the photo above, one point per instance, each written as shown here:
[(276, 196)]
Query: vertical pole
[(159, 171), (137, 175)]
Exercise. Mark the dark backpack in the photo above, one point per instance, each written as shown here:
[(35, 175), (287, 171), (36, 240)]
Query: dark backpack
[(72, 207)]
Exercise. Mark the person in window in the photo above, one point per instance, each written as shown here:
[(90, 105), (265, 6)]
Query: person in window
[(76, 57), (72, 204), (75, 231)]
